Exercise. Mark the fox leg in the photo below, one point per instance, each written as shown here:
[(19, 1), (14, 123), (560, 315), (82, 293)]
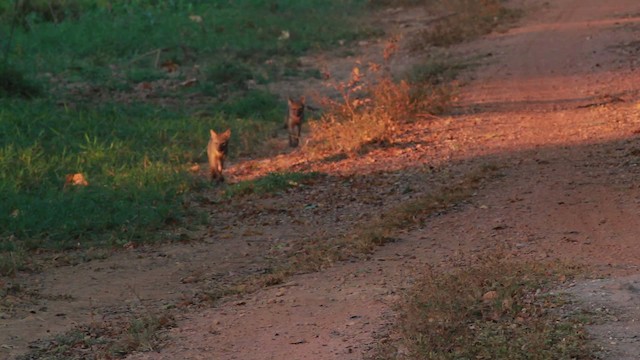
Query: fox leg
[(294, 135)]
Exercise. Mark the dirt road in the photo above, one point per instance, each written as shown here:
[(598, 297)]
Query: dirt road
[(555, 104)]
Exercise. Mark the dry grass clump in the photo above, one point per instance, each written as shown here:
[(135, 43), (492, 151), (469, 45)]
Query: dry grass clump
[(366, 112), (372, 104), (497, 309)]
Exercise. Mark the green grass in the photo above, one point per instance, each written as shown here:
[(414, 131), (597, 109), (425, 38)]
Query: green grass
[(240, 39), (134, 153), (134, 159)]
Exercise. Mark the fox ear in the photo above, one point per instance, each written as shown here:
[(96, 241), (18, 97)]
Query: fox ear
[(226, 134), (213, 134), (302, 99), (290, 100)]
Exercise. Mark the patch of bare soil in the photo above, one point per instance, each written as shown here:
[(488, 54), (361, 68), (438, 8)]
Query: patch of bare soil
[(555, 106)]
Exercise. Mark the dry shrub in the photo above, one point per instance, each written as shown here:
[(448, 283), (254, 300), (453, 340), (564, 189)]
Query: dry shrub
[(370, 106)]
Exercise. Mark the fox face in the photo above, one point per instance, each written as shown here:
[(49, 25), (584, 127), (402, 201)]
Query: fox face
[(217, 151), (294, 120)]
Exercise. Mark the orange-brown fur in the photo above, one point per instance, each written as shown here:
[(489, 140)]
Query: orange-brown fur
[(217, 151)]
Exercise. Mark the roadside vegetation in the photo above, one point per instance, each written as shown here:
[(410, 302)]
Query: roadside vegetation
[(493, 309)]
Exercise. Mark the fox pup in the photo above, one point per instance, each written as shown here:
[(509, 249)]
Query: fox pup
[(217, 151), (294, 120)]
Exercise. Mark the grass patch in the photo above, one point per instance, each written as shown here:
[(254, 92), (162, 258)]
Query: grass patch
[(379, 231), (134, 160), (436, 72), (106, 340), (270, 183), (495, 310), (317, 254), (231, 41), (134, 157), (142, 334), (464, 20)]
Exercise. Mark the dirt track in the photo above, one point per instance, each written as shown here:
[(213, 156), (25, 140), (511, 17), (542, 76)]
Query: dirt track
[(555, 105), (569, 191)]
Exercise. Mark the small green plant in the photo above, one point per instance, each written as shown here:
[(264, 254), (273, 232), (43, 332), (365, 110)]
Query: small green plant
[(496, 309), (271, 183)]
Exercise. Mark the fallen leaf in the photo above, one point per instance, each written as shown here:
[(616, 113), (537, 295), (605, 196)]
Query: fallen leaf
[(170, 66), (75, 180)]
